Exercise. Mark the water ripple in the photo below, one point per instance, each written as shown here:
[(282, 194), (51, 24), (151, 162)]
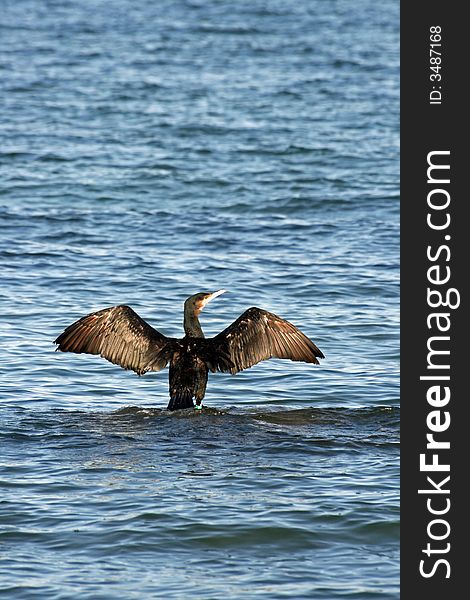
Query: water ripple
[(151, 150)]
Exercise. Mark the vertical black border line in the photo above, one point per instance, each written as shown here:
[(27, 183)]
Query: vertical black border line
[(435, 322)]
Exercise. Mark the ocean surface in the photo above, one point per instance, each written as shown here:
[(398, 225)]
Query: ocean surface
[(150, 150)]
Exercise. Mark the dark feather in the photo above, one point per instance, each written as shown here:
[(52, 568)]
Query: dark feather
[(121, 336), (258, 335), (188, 373)]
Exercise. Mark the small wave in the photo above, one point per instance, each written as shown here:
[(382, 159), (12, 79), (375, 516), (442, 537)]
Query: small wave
[(208, 28)]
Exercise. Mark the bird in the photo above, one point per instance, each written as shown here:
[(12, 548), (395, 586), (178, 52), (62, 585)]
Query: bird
[(121, 336)]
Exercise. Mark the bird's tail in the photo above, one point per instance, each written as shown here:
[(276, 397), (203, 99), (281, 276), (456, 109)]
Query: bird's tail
[(180, 399)]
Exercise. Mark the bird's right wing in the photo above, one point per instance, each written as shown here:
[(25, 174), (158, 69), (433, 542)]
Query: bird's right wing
[(121, 336), (255, 336)]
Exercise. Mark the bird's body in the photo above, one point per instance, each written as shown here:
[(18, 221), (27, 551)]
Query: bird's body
[(188, 374), (122, 337)]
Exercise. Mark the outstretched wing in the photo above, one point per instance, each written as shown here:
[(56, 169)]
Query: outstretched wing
[(258, 335), (121, 336)]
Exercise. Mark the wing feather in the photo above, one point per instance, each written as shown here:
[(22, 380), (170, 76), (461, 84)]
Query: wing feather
[(258, 335), (121, 336)]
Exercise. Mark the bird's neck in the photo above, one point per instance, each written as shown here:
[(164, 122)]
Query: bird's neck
[(192, 327)]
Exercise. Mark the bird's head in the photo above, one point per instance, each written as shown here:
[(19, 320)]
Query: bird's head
[(197, 302)]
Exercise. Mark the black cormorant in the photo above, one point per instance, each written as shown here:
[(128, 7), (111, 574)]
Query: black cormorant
[(122, 337)]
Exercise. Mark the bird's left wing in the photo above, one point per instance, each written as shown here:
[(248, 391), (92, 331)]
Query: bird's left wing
[(258, 335), (121, 336)]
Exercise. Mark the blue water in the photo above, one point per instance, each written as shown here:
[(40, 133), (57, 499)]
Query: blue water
[(150, 150)]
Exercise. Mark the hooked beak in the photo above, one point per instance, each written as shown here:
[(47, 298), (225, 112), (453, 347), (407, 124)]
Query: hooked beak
[(210, 297)]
